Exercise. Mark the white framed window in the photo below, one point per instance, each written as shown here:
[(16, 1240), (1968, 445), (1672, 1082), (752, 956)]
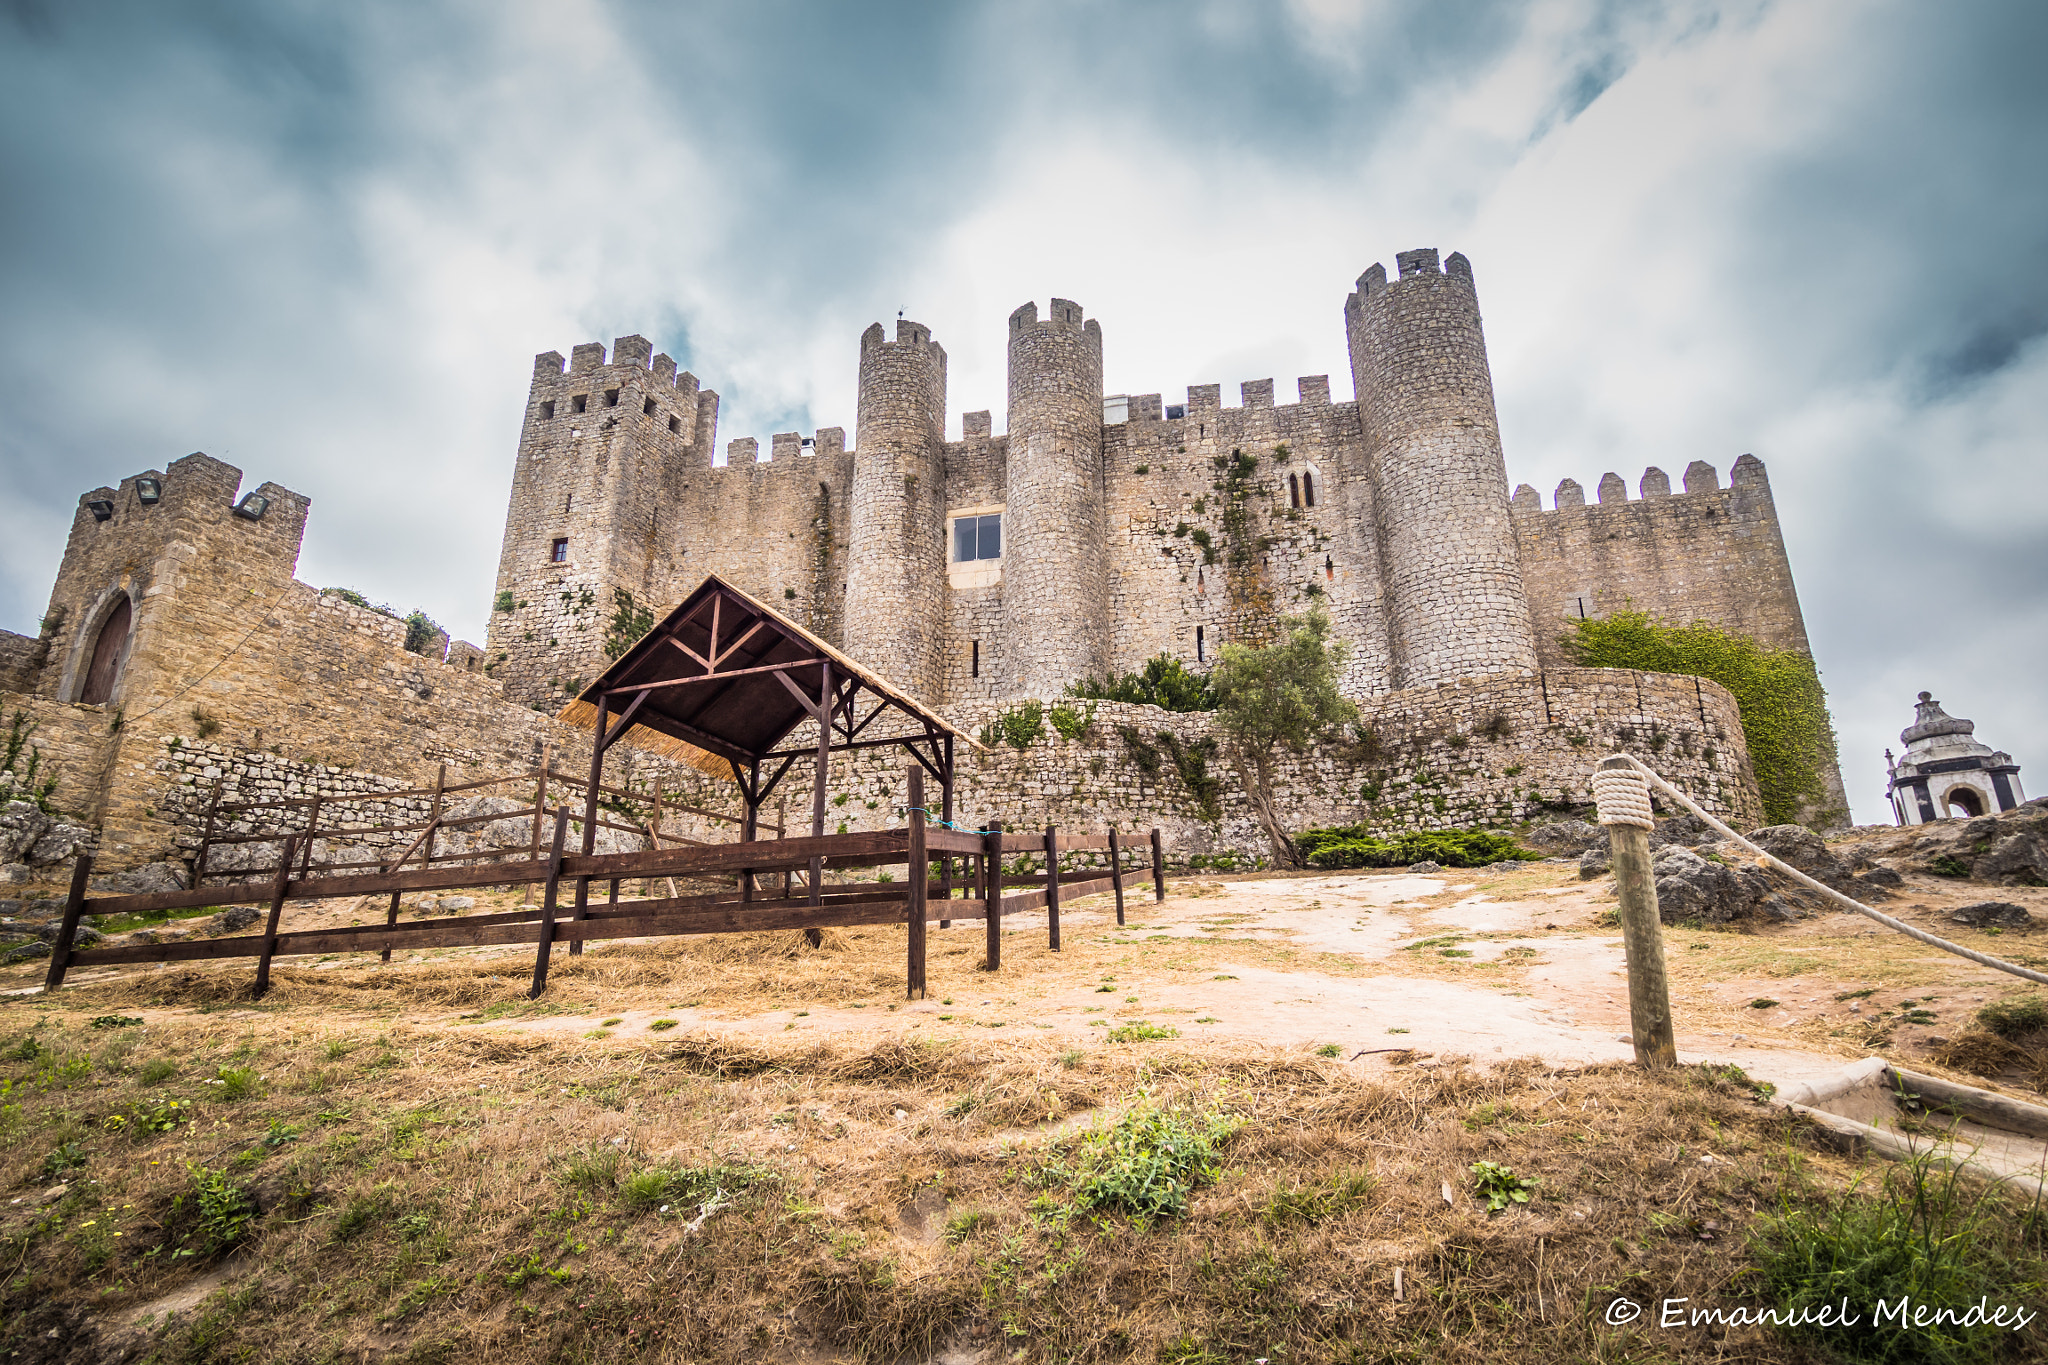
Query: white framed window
[(977, 537)]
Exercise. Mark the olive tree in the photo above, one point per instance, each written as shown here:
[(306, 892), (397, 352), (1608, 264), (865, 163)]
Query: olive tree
[(1279, 696)]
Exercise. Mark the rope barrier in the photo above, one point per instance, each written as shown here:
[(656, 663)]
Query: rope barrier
[(1623, 798), (1650, 779)]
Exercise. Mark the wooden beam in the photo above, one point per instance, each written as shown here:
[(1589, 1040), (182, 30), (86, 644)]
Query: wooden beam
[(1052, 888), (920, 873), (67, 930), (1158, 866), (992, 892), (1116, 873), (723, 676), (277, 890), (547, 904)]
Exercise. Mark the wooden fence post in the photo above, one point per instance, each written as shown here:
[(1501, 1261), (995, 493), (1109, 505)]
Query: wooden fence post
[(1116, 872), (1158, 866), (1642, 937), (74, 910), (1052, 888), (277, 890), (992, 892), (920, 871), (540, 808), (547, 904)]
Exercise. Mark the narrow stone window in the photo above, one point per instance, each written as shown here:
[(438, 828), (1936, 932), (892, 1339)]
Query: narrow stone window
[(1329, 568), (580, 403), (547, 410), (1200, 656), (559, 552), (1293, 490), (647, 408), (611, 398), (568, 502), (974, 663), (675, 424), (977, 538), (1308, 489)]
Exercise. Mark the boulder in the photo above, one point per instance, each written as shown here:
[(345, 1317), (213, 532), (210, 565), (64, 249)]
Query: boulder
[(233, 918), (60, 843), (85, 937), (1992, 914), (1506, 865), (1687, 829), (1690, 887), (2018, 859), (1565, 836), (21, 824), (1593, 862), (148, 880), (1803, 849), (1880, 875), (13, 874), (1425, 866)]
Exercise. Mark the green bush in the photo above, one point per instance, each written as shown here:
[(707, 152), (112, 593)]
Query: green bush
[(1354, 846), (1165, 682)]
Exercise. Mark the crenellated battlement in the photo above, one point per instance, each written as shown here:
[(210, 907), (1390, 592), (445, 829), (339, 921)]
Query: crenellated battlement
[(1700, 478), (1312, 391), (907, 334), (1419, 265), (784, 447), (634, 353)]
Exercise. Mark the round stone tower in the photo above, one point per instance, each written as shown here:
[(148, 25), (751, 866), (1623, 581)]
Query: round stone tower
[(896, 561), (1055, 600), (1453, 578)]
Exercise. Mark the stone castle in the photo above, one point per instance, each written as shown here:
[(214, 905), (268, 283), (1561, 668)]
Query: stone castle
[(180, 655), (1101, 530)]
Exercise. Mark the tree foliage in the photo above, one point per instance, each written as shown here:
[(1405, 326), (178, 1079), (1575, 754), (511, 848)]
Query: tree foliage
[(1283, 695), (1778, 691), (1166, 682)]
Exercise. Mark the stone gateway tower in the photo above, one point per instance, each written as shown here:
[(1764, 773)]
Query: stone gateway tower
[(1452, 575)]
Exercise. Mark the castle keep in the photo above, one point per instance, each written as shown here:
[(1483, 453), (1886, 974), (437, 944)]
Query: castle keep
[(1101, 530), (181, 657)]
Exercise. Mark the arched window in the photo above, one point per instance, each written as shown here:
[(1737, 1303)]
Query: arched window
[(1293, 490), (1964, 803), (1308, 488), (106, 655)]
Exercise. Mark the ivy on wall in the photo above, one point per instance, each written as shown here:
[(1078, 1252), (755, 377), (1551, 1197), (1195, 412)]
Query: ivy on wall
[(1778, 691)]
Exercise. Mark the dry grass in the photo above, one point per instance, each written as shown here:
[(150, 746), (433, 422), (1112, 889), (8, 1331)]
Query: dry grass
[(451, 1195)]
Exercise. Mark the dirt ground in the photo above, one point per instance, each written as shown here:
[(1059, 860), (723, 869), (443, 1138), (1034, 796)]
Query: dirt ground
[(1392, 969)]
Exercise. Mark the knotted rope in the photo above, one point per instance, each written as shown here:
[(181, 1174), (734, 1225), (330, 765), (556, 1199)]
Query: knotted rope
[(1645, 779), (1623, 796)]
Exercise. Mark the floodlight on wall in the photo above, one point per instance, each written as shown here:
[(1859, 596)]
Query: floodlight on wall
[(102, 510), (149, 492), (252, 507)]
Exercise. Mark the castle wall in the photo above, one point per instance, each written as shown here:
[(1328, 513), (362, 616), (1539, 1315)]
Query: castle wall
[(1174, 481), (1707, 553)]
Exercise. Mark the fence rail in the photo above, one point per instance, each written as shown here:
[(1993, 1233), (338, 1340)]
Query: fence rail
[(986, 893)]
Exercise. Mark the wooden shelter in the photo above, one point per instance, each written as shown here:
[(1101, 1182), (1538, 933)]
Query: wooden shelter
[(724, 680)]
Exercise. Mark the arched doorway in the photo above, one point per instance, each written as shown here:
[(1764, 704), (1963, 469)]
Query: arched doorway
[(106, 655), (1964, 803)]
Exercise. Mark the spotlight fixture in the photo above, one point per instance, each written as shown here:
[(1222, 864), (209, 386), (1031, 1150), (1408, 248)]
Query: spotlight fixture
[(149, 491), (252, 507), (102, 510)]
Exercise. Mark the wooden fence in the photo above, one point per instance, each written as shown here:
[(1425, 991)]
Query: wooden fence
[(985, 891)]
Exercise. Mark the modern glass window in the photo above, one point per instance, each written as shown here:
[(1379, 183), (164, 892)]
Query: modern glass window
[(559, 552), (978, 538)]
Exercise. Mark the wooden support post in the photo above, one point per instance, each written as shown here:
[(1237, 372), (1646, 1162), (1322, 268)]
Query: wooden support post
[(920, 873), (391, 921), (74, 910), (581, 907), (206, 839), (277, 890), (820, 777), (547, 905), (750, 823), (306, 845), (653, 835), (946, 822), (434, 817), (1158, 866), (1052, 888), (781, 832), (1642, 937), (992, 891), (1116, 872), (540, 808)]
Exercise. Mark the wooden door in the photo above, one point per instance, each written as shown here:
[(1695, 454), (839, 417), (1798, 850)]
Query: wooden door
[(106, 656)]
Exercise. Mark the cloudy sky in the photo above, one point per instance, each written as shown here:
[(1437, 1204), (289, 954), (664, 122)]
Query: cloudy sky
[(324, 242)]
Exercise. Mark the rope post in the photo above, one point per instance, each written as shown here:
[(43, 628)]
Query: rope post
[(1624, 800)]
